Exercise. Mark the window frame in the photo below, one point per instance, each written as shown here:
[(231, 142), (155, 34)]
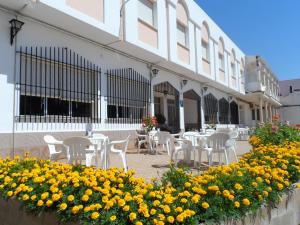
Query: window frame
[(147, 3)]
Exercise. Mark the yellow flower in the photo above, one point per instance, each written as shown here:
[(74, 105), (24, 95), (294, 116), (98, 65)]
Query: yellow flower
[(75, 209), (63, 206), (298, 185), (33, 197), (196, 198), (95, 215), (246, 202), (180, 218), (236, 204), (170, 219), (10, 193), (25, 197), (113, 218), (40, 203), (49, 203), (187, 184), (44, 195), (132, 216), (121, 202), (279, 186), (85, 198), (138, 223), (88, 192), (213, 188), (71, 198), (226, 193), (55, 197), (237, 186), (231, 197), (126, 208), (205, 205)]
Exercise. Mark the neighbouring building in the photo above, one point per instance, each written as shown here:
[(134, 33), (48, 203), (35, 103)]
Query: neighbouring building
[(109, 63), (290, 100)]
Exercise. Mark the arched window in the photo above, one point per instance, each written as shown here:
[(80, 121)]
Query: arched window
[(210, 109), (234, 113), (182, 25), (205, 42), (205, 48), (147, 12), (223, 111), (221, 55), (233, 68)]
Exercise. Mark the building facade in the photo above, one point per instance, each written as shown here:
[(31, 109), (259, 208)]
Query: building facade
[(109, 63), (290, 100)]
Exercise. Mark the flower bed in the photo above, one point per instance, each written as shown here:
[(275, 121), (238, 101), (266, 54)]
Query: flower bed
[(90, 196)]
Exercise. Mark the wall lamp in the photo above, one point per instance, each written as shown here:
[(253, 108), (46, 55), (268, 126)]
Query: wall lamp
[(15, 27), (154, 72), (183, 83), (204, 90)]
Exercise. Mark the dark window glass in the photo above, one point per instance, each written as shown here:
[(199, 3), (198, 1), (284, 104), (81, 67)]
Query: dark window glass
[(31, 105), (81, 109), (210, 109), (123, 112), (253, 114), (258, 114), (234, 113), (223, 111), (111, 111), (57, 106)]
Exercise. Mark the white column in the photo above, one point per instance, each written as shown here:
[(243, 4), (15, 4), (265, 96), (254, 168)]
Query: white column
[(212, 58), (271, 113), (266, 112), (181, 112), (261, 115), (216, 61), (151, 109), (226, 68)]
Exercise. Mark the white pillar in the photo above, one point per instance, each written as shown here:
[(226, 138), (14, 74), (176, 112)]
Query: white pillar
[(266, 112), (271, 113), (261, 115), (181, 112), (151, 109)]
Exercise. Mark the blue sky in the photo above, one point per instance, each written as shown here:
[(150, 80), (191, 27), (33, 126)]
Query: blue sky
[(270, 28)]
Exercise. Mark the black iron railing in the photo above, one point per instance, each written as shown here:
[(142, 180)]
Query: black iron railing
[(57, 85), (128, 96)]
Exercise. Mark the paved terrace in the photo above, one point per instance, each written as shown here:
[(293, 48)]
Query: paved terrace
[(146, 165)]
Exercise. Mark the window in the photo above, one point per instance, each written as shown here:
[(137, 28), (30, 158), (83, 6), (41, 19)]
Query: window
[(182, 25), (127, 96), (221, 55), (31, 105), (205, 42), (57, 85), (233, 66), (210, 109), (205, 51), (181, 35), (221, 62), (146, 12)]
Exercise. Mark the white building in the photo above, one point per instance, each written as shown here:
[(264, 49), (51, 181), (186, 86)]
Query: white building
[(290, 100), (111, 62)]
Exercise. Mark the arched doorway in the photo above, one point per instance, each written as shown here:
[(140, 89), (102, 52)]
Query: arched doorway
[(192, 110), (210, 109), (234, 113), (166, 104), (223, 111)]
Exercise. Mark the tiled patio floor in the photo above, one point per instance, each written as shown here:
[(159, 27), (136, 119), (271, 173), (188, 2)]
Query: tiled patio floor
[(146, 165), (153, 166)]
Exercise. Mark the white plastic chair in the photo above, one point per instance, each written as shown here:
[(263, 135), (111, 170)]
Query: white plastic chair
[(184, 146), (53, 146), (100, 141), (233, 136), (193, 137), (78, 148), (216, 144), (120, 151), (159, 138)]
